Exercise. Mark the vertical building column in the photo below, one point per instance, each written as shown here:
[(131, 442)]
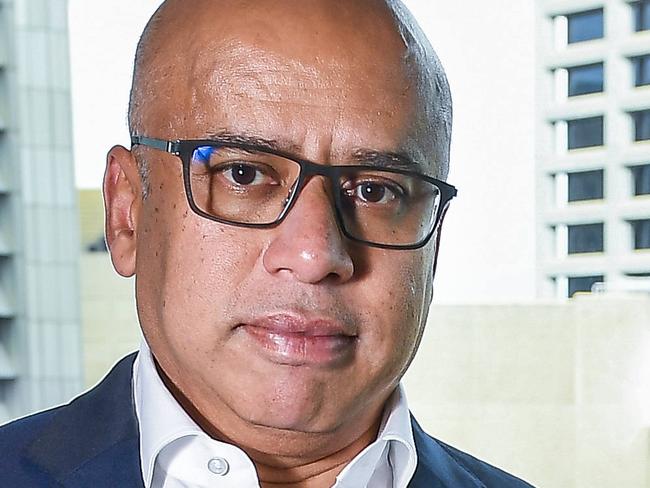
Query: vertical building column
[(7, 224), (44, 338)]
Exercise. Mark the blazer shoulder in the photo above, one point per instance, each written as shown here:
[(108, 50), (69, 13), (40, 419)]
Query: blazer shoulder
[(35, 447), (491, 476), (22, 431), (22, 428), (455, 468)]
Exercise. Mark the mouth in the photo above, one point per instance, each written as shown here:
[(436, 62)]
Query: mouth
[(296, 341)]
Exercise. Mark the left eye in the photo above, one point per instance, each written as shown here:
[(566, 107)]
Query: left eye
[(373, 192), (244, 174)]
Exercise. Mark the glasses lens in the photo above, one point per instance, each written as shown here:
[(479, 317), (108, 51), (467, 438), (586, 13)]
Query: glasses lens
[(388, 208), (241, 186)]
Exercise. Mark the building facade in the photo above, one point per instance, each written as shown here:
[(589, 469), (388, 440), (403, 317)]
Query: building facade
[(40, 345), (593, 144)]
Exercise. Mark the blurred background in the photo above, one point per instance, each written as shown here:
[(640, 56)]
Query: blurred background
[(537, 353)]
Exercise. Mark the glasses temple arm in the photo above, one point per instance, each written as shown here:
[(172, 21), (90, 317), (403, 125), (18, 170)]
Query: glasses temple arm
[(167, 146)]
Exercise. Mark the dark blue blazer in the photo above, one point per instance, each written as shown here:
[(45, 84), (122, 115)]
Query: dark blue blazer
[(92, 442)]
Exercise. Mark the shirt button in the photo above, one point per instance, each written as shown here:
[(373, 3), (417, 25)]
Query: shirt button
[(218, 466)]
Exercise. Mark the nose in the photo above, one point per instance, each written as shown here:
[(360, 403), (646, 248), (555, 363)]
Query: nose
[(308, 244)]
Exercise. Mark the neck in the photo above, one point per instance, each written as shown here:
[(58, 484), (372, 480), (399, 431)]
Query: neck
[(285, 458), (288, 472)]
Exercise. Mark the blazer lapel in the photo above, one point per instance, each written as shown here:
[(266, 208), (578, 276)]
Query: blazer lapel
[(436, 468), (94, 440)]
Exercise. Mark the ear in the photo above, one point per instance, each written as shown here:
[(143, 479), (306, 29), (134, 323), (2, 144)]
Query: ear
[(122, 203)]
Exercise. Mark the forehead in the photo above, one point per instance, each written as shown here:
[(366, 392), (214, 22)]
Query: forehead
[(298, 71)]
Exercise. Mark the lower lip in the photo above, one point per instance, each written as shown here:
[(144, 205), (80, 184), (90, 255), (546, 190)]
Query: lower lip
[(299, 349)]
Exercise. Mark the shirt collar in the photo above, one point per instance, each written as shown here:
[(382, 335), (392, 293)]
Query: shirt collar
[(160, 417), (393, 450), (162, 420)]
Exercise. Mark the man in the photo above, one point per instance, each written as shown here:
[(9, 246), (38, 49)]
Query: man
[(280, 208)]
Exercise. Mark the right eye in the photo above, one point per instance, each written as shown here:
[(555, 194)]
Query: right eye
[(245, 174), (235, 169)]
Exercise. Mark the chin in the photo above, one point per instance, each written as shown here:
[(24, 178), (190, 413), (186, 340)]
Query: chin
[(301, 413), (294, 422)]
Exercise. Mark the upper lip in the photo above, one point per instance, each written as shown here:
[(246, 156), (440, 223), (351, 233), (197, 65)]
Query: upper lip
[(284, 323)]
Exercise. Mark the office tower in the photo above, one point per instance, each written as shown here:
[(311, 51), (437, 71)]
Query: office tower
[(593, 144), (39, 305)]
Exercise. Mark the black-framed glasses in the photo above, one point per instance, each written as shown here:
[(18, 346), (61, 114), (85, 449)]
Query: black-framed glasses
[(250, 186)]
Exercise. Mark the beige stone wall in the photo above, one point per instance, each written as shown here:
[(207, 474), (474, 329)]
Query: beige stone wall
[(110, 325), (557, 393)]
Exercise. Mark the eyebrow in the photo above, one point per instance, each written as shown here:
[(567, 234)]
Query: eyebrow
[(386, 159), (362, 156), (258, 142)]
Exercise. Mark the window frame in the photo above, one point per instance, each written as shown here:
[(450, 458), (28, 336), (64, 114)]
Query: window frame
[(641, 12), (585, 13), (571, 70), (593, 278), (635, 236), (572, 122), (600, 194), (641, 121), (638, 172), (588, 227), (638, 63)]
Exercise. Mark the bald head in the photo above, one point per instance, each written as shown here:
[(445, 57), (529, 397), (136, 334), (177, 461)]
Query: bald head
[(192, 50)]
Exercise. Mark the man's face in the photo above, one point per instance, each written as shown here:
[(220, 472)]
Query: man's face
[(290, 327)]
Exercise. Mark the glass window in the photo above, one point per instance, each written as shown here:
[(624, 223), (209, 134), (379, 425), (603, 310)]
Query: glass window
[(98, 245), (585, 132), (583, 283), (641, 15), (642, 274), (586, 238), (641, 66), (586, 185), (641, 175), (641, 125), (584, 26), (585, 79), (641, 229)]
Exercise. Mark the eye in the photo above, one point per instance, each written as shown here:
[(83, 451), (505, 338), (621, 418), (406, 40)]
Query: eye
[(376, 192), (243, 174), (246, 174)]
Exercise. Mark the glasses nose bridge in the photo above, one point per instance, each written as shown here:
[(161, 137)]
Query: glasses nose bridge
[(309, 169)]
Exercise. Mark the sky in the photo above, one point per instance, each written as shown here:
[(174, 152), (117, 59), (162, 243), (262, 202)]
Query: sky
[(488, 249)]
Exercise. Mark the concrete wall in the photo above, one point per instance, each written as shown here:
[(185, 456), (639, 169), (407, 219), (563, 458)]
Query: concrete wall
[(558, 393), (110, 324)]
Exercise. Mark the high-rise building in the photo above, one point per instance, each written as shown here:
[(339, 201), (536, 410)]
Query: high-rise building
[(593, 143), (39, 292)]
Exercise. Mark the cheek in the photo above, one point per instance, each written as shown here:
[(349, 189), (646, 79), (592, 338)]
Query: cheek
[(397, 305), (186, 268)]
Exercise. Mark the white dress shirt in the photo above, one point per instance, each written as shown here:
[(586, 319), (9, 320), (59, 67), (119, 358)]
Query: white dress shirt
[(176, 453)]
